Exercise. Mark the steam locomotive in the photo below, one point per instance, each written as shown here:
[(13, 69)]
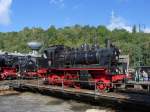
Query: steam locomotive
[(25, 66), (83, 67)]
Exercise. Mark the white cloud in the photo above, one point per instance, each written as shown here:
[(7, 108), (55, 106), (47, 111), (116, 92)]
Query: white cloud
[(5, 12), (118, 22), (147, 30), (59, 3)]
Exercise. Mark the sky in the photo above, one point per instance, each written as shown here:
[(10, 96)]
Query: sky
[(17, 14)]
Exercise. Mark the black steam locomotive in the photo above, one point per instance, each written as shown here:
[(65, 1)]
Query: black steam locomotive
[(26, 66), (88, 64)]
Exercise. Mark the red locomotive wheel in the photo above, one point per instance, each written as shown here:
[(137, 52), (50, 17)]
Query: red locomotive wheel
[(55, 79), (101, 86)]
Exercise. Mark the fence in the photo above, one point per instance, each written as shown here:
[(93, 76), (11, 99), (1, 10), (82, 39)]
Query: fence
[(72, 85)]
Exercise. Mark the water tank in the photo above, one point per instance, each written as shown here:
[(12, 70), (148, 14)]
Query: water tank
[(34, 45)]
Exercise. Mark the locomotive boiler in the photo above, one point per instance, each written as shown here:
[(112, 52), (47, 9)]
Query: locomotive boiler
[(62, 56)]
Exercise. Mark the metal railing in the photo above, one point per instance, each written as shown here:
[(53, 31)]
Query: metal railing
[(65, 84)]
